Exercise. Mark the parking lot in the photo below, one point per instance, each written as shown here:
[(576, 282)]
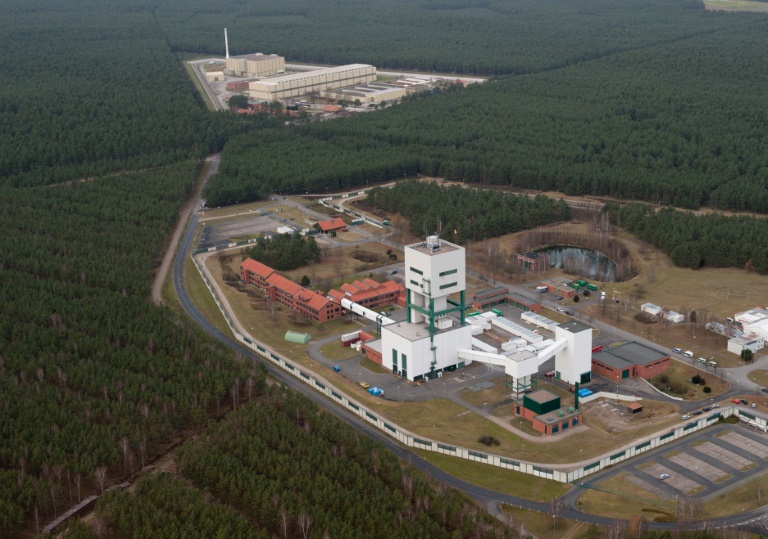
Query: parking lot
[(700, 465)]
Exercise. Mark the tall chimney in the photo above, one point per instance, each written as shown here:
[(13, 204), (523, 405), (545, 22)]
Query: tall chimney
[(226, 42)]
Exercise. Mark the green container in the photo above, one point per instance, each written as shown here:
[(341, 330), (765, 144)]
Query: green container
[(581, 282), (592, 287)]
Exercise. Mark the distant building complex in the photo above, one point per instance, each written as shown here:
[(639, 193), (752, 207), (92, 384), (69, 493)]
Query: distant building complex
[(316, 80)]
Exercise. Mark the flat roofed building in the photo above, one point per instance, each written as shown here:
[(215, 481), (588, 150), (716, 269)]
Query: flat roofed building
[(533, 262), (255, 65), (630, 360), (317, 80), (542, 408), (559, 286), (487, 299), (374, 92)]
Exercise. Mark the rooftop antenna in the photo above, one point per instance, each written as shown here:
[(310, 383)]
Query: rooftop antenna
[(226, 42)]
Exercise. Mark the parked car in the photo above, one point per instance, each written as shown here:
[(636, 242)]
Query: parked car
[(677, 350), (744, 401), (560, 309), (735, 401), (715, 405), (336, 368), (664, 476), (707, 408), (688, 353), (764, 390), (697, 412), (365, 385), (686, 416), (393, 272)]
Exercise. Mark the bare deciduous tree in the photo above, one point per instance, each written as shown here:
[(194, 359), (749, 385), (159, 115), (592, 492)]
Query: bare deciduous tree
[(100, 474), (124, 446), (305, 522)]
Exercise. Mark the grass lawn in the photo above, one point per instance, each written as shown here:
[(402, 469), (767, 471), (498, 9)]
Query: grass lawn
[(540, 524), (345, 264), (742, 498), (201, 296), (335, 350), (498, 479), (679, 373), (759, 376), (491, 395), (369, 365), (617, 497)]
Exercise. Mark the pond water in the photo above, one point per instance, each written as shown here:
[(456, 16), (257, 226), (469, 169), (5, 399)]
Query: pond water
[(584, 262)]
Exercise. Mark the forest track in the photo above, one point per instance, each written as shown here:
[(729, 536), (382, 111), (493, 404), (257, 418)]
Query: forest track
[(211, 166)]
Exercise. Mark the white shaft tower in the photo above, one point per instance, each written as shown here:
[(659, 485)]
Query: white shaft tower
[(226, 42)]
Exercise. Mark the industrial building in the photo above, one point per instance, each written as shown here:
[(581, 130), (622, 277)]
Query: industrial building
[(751, 341), (542, 408), (255, 65), (374, 92), (487, 299), (533, 262), (317, 80), (314, 305), (559, 287), (630, 360), (435, 330)]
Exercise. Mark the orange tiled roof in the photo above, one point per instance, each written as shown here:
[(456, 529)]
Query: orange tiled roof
[(254, 266), (314, 300), (331, 224)]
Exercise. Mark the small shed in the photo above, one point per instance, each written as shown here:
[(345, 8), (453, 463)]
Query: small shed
[(634, 407), (298, 338)]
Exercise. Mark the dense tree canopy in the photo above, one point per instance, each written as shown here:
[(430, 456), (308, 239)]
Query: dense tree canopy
[(285, 251), (473, 214), (695, 241)]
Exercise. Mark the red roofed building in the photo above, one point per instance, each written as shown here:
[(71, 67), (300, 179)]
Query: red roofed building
[(331, 225), (255, 273), (314, 305)]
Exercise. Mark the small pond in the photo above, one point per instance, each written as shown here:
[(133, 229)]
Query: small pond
[(583, 262)]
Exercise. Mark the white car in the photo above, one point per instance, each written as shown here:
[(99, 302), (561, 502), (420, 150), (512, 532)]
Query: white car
[(715, 405), (664, 476), (686, 416), (560, 309)]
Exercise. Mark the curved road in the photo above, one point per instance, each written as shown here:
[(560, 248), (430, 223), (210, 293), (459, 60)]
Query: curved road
[(753, 521)]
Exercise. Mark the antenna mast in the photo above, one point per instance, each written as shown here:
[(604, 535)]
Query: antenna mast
[(226, 42)]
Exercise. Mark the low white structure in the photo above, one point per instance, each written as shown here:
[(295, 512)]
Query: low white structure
[(650, 308), (674, 317), (759, 327), (747, 342), (538, 320)]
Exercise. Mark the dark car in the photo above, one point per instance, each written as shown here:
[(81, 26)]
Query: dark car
[(764, 390), (696, 412), (744, 401), (707, 408)]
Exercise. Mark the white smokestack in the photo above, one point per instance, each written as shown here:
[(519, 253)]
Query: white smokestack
[(226, 42)]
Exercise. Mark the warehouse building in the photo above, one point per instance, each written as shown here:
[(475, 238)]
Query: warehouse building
[(533, 262), (374, 92), (750, 341), (628, 361), (255, 65), (317, 80)]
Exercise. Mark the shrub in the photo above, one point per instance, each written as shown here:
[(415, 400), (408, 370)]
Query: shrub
[(707, 389), (488, 440), (576, 298)]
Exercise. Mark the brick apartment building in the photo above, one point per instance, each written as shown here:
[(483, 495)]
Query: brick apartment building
[(313, 305)]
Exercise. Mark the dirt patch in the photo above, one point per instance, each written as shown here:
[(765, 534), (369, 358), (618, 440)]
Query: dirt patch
[(613, 417)]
